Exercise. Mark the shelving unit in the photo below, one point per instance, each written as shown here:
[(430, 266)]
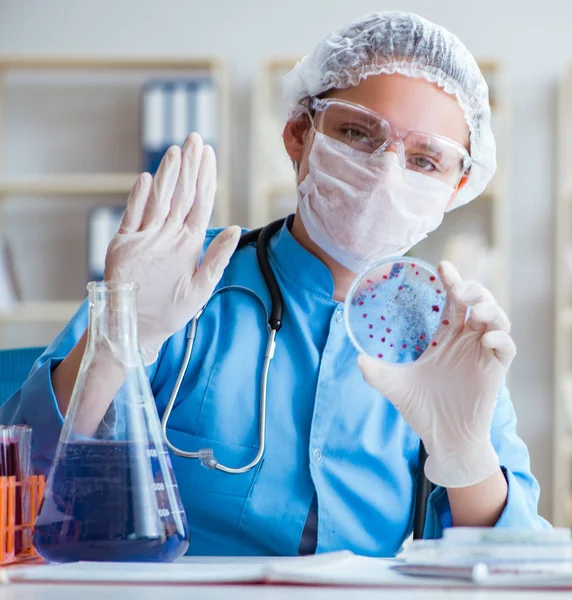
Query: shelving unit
[(562, 450), (273, 189), (41, 312), (103, 184)]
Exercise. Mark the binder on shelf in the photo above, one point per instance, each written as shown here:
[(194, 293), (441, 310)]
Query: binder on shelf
[(173, 108), (9, 288), (102, 225)]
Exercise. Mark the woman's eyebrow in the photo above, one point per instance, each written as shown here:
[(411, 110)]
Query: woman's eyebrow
[(364, 119)]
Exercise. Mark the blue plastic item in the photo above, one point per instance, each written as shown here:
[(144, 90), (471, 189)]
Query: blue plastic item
[(15, 365)]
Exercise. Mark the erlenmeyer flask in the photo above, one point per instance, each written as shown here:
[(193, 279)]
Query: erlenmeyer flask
[(111, 493)]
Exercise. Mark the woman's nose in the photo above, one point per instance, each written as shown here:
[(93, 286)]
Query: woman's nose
[(394, 146)]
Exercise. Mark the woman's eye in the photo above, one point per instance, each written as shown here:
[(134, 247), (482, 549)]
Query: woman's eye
[(355, 135), (424, 164)]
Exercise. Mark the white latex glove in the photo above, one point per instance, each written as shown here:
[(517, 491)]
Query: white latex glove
[(449, 394), (160, 241)]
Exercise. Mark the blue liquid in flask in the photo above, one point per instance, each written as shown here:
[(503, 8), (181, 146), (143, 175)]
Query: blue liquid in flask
[(111, 493), (108, 501)]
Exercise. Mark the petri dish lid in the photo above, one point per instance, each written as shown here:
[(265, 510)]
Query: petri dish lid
[(492, 535), (394, 309)]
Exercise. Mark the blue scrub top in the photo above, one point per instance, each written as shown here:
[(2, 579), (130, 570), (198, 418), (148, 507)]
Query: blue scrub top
[(333, 442)]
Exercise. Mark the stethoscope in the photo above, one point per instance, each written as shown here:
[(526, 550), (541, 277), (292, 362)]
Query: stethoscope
[(262, 237)]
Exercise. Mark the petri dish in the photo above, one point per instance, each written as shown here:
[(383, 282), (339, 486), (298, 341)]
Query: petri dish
[(395, 308)]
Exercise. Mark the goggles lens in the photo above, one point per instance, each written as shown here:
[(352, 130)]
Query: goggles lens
[(367, 132)]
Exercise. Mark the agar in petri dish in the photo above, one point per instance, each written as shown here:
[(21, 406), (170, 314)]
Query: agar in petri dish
[(394, 309)]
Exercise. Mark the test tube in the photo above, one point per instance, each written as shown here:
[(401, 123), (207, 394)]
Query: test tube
[(16, 451), (23, 437), (8, 468), (4, 438), (9, 463)]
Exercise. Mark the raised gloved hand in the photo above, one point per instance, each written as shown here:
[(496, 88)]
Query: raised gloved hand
[(448, 395), (160, 241)]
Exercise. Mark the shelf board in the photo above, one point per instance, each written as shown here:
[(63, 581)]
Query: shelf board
[(102, 184), (40, 312), (106, 62), (47, 185)]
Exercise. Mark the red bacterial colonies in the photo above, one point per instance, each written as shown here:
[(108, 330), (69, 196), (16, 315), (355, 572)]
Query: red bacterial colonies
[(371, 335), (418, 348), (364, 315), (432, 278), (382, 318), (360, 302), (388, 330), (369, 281), (412, 265), (370, 326), (373, 295), (383, 340), (380, 356), (445, 322), (385, 276), (438, 291), (435, 308), (422, 336), (434, 344), (400, 288), (405, 345)]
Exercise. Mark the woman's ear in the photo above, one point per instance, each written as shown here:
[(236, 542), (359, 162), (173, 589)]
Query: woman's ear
[(460, 186), (294, 135)]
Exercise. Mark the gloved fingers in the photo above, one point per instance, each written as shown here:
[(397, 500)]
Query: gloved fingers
[(463, 295), (380, 375), (502, 346), (488, 316), (133, 215), (202, 208), (454, 313), (448, 274), (186, 188), (159, 203), (216, 258)]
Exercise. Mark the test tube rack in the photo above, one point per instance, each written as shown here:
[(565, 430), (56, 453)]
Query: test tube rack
[(29, 492)]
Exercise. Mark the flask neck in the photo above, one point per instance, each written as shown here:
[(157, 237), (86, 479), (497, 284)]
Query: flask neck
[(113, 318)]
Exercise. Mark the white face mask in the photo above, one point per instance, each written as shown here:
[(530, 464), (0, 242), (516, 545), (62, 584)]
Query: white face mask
[(359, 208)]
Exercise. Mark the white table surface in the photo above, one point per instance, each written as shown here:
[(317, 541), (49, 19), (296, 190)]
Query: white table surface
[(55, 591), (255, 592)]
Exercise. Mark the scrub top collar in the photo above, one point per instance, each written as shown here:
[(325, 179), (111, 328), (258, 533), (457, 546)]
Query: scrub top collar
[(300, 266)]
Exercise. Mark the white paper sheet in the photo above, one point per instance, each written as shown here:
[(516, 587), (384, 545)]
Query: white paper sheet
[(338, 568)]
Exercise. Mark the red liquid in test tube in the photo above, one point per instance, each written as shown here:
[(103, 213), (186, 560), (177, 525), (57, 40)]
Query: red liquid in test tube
[(15, 450)]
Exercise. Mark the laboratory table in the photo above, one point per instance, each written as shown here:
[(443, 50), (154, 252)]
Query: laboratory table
[(253, 592)]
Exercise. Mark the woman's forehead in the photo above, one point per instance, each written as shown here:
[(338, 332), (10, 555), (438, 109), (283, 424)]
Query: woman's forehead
[(410, 103)]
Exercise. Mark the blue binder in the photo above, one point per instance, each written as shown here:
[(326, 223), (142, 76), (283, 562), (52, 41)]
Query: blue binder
[(173, 108)]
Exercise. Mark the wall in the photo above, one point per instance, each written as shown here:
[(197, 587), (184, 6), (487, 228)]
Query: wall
[(534, 45)]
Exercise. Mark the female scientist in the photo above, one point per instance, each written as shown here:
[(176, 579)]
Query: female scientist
[(389, 129)]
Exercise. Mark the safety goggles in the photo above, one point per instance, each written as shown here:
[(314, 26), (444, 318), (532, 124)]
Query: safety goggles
[(367, 131)]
